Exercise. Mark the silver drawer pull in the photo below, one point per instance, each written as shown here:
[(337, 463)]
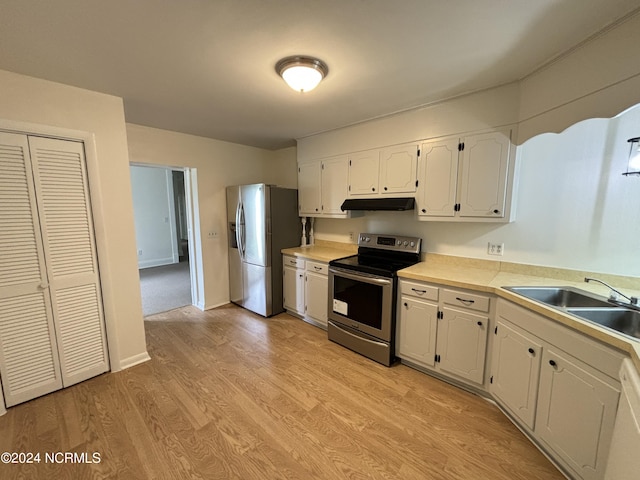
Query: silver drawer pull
[(419, 292), (465, 301)]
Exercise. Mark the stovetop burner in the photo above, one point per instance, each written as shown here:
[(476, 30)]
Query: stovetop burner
[(382, 255)]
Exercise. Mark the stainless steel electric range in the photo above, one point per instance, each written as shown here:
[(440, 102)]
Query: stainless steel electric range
[(362, 292)]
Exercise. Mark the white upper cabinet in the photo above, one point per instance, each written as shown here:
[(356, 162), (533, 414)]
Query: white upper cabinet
[(386, 171), (309, 189), (484, 164), (334, 184), (439, 175), (322, 187), (466, 179), (364, 173), (398, 169)]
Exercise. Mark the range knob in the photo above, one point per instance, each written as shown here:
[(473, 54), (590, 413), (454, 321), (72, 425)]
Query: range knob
[(398, 242), (405, 243), (412, 244), (368, 239)]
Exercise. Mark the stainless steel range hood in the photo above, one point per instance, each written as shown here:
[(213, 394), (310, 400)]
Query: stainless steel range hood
[(398, 204)]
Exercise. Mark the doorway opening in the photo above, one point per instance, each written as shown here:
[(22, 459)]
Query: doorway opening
[(163, 212)]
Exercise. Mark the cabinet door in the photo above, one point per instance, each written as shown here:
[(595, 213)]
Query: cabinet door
[(317, 294), (309, 189), (438, 178), (484, 162), (364, 173), (293, 288), (29, 364), (335, 185), (516, 369), (417, 331), (462, 344), (576, 412), (398, 169)]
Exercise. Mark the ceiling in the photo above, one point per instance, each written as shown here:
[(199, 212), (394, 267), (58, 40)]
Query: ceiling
[(206, 67)]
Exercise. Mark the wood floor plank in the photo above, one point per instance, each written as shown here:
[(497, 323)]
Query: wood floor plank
[(231, 395)]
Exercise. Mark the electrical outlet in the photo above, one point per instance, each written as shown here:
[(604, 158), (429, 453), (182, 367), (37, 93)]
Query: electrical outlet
[(139, 253), (351, 236), (495, 249), (213, 234)]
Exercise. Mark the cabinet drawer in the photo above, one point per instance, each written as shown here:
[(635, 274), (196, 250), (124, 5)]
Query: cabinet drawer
[(294, 262), (466, 300), (321, 268), (419, 290)]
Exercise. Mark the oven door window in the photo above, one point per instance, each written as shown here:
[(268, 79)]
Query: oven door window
[(358, 301)]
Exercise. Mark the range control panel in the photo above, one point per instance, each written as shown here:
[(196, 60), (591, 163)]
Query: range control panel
[(390, 242)]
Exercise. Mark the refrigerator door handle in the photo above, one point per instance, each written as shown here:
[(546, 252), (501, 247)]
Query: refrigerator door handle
[(239, 230), (243, 232)]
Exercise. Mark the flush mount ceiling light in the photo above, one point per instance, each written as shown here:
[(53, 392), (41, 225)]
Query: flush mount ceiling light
[(302, 73)]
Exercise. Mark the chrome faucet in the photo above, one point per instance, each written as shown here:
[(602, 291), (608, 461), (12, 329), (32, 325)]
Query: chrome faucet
[(612, 296)]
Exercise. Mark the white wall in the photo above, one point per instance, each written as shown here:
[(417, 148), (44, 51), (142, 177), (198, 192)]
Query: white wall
[(37, 105), (218, 164), (154, 216)]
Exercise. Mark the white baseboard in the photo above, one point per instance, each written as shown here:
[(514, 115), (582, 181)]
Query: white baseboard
[(133, 361), (155, 262), (209, 307)]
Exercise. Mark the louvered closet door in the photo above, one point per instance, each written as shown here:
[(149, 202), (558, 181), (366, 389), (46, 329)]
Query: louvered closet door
[(28, 352), (62, 191)]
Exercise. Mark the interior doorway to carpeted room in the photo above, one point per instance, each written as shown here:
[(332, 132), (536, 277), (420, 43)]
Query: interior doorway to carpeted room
[(162, 237)]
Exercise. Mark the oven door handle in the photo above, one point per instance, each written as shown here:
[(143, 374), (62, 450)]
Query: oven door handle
[(359, 277)]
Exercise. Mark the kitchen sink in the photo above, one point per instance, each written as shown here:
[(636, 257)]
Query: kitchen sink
[(561, 297), (620, 319), (587, 306)]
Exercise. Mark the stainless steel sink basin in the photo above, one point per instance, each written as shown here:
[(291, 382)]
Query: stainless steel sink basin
[(620, 319), (561, 297)]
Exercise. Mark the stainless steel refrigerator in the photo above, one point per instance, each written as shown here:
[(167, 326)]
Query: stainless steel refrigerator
[(263, 219)]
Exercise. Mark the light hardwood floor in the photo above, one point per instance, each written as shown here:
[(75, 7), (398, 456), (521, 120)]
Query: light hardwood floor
[(231, 395)]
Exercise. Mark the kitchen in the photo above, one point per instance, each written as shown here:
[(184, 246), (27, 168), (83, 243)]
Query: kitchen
[(528, 103)]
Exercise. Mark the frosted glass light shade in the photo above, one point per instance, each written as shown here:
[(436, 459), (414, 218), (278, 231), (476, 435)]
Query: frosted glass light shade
[(302, 74)]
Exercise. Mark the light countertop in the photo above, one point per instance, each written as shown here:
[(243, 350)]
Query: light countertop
[(322, 251)]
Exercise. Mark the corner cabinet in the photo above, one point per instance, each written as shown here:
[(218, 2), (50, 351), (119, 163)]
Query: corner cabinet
[(444, 330), (386, 171), (559, 385), (467, 178)]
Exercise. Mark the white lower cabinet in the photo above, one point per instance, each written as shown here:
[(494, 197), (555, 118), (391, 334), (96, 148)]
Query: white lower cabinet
[(559, 384), (316, 292), (417, 331), (306, 289), (432, 333), (462, 344), (293, 284), (576, 412), (516, 370)]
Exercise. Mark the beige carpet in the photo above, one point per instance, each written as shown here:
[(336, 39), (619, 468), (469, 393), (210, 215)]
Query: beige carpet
[(165, 288)]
